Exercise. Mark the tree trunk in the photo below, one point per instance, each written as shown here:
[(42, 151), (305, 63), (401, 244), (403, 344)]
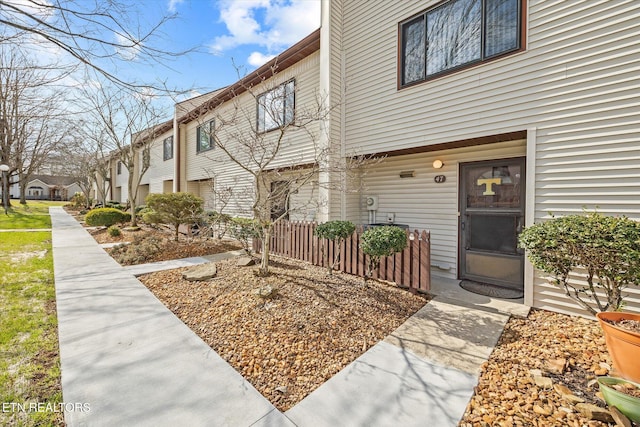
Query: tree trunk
[(23, 196), (266, 245)]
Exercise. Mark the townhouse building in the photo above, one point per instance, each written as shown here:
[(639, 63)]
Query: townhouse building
[(490, 115)]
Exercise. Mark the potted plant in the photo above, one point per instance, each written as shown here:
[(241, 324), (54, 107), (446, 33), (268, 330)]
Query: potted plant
[(606, 251), (623, 342), (623, 394)]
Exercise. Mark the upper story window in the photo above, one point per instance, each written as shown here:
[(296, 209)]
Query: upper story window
[(204, 136), (458, 33), (276, 107), (167, 148), (119, 168)]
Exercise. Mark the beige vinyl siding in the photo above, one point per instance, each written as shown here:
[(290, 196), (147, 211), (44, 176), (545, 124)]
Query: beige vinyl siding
[(575, 89), (121, 187), (297, 147), (159, 169), (422, 204)]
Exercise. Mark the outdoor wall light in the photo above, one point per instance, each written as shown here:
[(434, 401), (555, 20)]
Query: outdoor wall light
[(437, 164)]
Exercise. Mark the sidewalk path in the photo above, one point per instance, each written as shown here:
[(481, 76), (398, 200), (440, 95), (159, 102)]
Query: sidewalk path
[(136, 364)]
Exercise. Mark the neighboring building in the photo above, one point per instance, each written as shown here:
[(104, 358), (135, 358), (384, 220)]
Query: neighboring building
[(47, 187), (158, 178), (237, 113), (491, 115)]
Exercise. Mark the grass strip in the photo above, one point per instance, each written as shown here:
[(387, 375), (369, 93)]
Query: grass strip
[(29, 353)]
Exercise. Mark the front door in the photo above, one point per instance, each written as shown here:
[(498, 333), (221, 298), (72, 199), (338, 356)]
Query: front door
[(491, 217)]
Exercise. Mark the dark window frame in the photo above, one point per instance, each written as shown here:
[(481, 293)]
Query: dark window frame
[(261, 125), (521, 44), (119, 168), (167, 143), (211, 140)]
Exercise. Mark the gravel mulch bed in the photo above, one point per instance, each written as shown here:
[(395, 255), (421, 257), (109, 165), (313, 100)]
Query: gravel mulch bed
[(290, 344), (164, 247), (570, 352)]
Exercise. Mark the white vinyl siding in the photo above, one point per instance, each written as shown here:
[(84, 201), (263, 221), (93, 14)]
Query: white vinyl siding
[(159, 169), (297, 146), (421, 203), (575, 85)]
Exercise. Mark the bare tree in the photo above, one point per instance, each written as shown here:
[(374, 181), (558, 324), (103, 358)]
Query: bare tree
[(266, 148), (125, 125), (81, 163), (32, 123), (97, 34)]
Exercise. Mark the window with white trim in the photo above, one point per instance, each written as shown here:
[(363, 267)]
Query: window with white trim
[(167, 148), (204, 136), (458, 33), (276, 107)]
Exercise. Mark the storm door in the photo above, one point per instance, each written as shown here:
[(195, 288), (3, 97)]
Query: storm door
[(491, 217)]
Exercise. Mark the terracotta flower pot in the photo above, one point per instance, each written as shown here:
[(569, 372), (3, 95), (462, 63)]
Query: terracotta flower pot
[(623, 345), (627, 404)]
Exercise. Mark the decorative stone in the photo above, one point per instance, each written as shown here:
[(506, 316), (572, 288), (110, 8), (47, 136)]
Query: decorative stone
[(594, 412), (282, 389), (201, 272), (619, 418), (266, 291), (567, 394), (245, 261), (540, 410), (543, 382), (556, 366)]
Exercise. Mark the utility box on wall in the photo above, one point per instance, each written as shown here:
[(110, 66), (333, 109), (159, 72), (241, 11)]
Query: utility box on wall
[(372, 203)]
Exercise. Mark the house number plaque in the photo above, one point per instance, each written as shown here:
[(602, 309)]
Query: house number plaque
[(439, 179)]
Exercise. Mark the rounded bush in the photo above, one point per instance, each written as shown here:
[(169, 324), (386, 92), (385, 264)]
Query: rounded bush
[(335, 230), (383, 241), (114, 231), (106, 217)]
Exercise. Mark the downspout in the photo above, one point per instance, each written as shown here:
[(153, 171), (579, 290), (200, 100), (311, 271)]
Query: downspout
[(176, 151), (343, 121)]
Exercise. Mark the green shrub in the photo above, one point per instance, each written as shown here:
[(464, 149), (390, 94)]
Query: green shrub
[(336, 231), (114, 231), (243, 230), (173, 209), (606, 249), (79, 201), (106, 217), (379, 242), (115, 205), (142, 249)]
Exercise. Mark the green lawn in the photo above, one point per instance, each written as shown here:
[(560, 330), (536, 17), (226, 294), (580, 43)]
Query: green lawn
[(35, 214), (29, 356)]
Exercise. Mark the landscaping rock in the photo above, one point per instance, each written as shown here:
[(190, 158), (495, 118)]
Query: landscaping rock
[(266, 292), (200, 272), (594, 412), (556, 366), (567, 394), (619, 418), (245, 261), (543, 382)]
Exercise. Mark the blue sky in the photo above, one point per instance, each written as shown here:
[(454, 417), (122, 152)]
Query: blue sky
[(245, 32)]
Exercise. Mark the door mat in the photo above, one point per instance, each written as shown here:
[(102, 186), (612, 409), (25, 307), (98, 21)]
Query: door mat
[(489, 290)]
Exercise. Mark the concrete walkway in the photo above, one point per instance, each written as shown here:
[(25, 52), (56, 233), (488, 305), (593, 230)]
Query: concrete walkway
[(135, 363)]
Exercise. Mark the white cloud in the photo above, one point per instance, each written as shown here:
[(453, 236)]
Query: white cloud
[(271, 24), (173, 5), (127, 49), (256, 59)]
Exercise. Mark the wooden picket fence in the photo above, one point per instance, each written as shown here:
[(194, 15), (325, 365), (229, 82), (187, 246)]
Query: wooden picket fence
[(410, 268)]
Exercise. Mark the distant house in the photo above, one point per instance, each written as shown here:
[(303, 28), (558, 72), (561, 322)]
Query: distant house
[(48, 187)]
